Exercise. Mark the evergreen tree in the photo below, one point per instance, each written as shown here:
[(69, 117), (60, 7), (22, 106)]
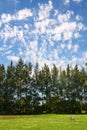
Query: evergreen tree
[(9, 93), (2, 85), (31, 90), (19, 82), (54, 83)]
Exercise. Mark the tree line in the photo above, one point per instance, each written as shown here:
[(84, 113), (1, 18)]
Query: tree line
[(27, 89)]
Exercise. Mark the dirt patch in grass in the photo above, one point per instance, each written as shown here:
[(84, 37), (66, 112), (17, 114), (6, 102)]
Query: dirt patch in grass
[(9, 116)]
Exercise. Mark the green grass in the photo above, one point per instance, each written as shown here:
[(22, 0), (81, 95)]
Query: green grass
[(44, 122)]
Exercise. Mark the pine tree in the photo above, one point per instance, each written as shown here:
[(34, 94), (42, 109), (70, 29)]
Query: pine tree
[(9, 89), (2, 86)]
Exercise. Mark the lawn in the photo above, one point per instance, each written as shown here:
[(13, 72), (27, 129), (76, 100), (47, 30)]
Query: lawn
[(43, 122)]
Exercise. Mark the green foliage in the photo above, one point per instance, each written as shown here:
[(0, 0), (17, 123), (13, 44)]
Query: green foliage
[(25, 89)]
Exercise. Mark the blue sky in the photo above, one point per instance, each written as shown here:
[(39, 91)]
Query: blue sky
[(43, 31)]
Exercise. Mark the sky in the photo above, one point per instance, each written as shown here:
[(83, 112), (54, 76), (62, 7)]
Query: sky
[(43, 31)]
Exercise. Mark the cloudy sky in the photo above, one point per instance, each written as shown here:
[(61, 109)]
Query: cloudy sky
[(44, 31)]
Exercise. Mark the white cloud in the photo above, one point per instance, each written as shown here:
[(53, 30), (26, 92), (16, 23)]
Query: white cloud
[(77, 1), (13, 58), (75, 48), (66, 26), (78, 17), (7, 52), (33, 46), (85, 55), (74, 61), (66, 2), (65, 17), (20, 15), (42, 25), (80, 26), (57, 37), (8, 32), (76, 35), (67, 35), (26, 26), (66, 29), (23, 14), (56, 12), (69, 46), (55, 54), (44, 10), (1, 48), (43, 39), (5, 18), (62, 45)]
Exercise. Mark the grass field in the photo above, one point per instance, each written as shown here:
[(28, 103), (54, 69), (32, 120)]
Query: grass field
[(43, 122)]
